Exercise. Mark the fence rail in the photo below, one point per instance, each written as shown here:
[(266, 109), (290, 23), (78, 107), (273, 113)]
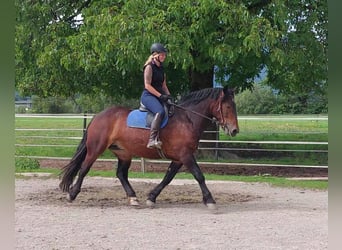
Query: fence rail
[(143, 161), (219, 144)]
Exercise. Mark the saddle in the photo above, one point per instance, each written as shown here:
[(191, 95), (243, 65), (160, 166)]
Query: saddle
[(142, 117)]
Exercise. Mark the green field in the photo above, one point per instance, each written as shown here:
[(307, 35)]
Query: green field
[(281, 128), (59, 137)]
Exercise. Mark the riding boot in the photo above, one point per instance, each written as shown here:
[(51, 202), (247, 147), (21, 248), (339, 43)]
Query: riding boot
[(154, 136)]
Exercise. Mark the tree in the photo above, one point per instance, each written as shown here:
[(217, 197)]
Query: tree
[(199, 36), (40, 43), (303, 70), (59, 54)]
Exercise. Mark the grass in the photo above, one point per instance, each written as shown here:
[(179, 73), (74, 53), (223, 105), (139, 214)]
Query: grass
[(282, 129), (250, 130), (55, 142), (274, 181)]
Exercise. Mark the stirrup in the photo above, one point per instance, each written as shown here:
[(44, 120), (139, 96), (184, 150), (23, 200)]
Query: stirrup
[(156, 144)]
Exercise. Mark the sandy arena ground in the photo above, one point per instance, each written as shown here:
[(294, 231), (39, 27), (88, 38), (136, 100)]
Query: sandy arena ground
[(248, 216)]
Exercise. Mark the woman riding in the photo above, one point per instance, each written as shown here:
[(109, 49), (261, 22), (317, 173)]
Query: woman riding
[(155, 91)]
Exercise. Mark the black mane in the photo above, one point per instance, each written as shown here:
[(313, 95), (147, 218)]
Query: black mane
[(196, 97)]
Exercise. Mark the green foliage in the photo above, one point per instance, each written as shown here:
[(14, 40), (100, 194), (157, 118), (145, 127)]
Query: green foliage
[(305, 48), (22, 110), (24, 163), (263, 100), (80, 104), (50, 105), (260, 100), (95, 104), (56, 54)]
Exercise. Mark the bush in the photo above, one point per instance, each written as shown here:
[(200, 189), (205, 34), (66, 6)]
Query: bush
[(22, 110), (264, 100), (259, 101), (80, 104), (51, 105), (26, 164)]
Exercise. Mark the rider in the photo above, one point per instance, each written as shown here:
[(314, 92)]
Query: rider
[(155, 91)]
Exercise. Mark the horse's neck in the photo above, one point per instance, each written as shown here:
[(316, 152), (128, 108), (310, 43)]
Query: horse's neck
[(200, 122)]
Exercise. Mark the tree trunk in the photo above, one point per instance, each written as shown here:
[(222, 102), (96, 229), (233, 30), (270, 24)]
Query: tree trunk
[(201, 80)]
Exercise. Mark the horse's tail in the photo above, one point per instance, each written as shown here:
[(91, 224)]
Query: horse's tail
[(70, 171)]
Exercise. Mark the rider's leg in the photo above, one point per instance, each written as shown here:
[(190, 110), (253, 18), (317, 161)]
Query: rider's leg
[(153, 104), (154, 141)]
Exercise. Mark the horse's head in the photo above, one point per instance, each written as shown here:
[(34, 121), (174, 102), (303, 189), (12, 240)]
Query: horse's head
[(227, 115)]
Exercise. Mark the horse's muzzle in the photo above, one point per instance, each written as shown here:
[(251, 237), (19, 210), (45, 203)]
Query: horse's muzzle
[(232, 131)]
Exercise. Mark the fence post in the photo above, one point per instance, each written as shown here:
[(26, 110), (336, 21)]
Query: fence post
[(84, 122), (143, 165), (216, 143)]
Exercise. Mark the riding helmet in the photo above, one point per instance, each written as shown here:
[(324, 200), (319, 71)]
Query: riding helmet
[(158, 47)]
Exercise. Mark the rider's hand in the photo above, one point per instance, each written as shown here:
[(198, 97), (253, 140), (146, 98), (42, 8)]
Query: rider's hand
[(165, 98)]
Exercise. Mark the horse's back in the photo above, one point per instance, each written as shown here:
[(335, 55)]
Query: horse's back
[(113, 111), (108, 121), (109, 128)]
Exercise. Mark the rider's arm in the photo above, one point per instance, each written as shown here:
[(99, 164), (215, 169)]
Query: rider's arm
[(165, 88)]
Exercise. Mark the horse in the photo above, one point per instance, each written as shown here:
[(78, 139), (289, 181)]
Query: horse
[(180, 139)]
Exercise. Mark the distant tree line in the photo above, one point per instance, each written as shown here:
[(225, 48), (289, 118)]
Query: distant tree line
[(261, 100), (264, 100)]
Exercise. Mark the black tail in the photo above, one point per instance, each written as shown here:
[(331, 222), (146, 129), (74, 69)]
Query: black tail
[(70, 171)]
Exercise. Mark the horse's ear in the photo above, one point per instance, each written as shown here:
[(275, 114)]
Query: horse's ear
[(227, 90)]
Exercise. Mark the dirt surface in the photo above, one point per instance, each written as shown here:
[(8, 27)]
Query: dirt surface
[(248, 216)]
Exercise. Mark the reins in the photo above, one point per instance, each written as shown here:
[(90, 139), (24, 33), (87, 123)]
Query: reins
[(213, 120)]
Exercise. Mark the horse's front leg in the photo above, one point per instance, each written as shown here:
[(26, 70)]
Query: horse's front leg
[(170, 174), (193, 167), (122, 174)]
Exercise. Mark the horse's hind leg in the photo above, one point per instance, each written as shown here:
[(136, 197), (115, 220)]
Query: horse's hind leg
[(76, 188), (170, 174), (122, 174)]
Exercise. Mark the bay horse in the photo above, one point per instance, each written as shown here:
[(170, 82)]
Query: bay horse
[(180, 138)]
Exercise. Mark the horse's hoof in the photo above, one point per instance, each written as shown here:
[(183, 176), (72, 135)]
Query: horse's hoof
[(150, 203), (211, 206), (133, 201), (69, 197)]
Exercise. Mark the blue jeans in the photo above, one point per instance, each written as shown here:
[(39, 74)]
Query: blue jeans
[(152, 103)]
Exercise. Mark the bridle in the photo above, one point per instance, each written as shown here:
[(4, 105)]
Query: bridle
[(213, 120), (219, 109)]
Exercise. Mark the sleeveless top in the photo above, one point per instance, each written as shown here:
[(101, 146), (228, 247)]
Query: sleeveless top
[(157, 76)]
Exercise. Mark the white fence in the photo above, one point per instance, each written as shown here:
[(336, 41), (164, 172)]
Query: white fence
[(217, 148)]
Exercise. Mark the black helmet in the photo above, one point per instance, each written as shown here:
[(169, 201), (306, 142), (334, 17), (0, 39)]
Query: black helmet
[(158, 47)]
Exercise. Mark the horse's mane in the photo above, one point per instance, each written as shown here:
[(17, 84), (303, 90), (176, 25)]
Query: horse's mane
[(196, 97)]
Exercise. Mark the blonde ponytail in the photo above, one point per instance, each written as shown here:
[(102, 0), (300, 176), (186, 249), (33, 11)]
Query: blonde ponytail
[(149, 59)]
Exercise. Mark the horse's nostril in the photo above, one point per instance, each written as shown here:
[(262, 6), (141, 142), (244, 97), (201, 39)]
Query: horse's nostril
[(234, 132)]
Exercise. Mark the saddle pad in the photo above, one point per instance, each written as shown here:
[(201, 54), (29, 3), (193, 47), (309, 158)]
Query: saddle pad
[(138, 119)]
